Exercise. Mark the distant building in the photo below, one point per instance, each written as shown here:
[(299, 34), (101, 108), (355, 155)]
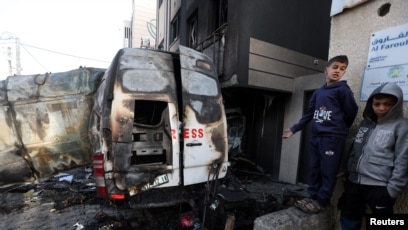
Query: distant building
[(127, 33), (143, 25)]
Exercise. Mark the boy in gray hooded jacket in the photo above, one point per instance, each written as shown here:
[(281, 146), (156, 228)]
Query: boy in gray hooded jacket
[(377, 165)]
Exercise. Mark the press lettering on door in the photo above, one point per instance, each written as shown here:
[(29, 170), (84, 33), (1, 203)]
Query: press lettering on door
[(193, 133)]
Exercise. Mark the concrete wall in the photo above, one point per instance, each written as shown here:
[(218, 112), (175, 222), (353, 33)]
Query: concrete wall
[(350, 34), (291, 148), (275, 67), (294, 219)]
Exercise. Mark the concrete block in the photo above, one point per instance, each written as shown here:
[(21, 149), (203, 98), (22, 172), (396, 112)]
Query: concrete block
[(293, 219)]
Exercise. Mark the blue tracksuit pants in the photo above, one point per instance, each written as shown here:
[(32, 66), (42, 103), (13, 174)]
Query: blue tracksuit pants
[(325, 157)]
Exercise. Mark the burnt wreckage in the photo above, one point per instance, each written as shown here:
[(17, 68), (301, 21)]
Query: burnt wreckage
[(161, 123), (152, 119), (153, 125)]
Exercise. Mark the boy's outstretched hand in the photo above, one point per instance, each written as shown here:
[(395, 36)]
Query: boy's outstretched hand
[(287, 133)]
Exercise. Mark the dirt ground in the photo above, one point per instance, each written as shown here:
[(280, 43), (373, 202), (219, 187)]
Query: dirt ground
[(27, 213), (68, 201)]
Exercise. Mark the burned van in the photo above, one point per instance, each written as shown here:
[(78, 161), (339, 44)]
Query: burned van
[(159, 123), (151, 124)]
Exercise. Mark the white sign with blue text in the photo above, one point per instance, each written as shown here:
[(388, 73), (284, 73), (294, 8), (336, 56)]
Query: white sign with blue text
[(387, 61), (388, 47)]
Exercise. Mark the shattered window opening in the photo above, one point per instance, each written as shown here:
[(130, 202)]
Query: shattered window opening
[(151, 133), (149, 112)]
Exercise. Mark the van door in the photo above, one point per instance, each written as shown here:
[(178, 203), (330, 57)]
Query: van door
[(144, 152), (204, 122)]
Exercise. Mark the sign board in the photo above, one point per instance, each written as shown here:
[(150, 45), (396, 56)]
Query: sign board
[(377, 76), (388, 47), (387, 61)]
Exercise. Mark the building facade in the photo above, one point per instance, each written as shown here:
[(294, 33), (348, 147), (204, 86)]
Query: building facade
[(269, 55), (374, 34), (140, 32)]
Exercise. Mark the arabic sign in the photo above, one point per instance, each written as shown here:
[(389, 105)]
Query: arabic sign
[(377, 76), (388, 47), (387, 61)]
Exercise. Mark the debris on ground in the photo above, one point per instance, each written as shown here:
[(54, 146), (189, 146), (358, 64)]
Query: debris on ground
[(68, 200)]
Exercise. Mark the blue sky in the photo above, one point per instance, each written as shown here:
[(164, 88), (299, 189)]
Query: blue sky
[(87, 31)]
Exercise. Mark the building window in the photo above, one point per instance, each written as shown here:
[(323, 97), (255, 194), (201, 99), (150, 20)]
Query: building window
[(222, 10), (192, 30), (175, 28), (127, 35)]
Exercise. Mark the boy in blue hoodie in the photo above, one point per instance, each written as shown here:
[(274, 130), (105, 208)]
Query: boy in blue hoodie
[(333, 110), (377, 166)]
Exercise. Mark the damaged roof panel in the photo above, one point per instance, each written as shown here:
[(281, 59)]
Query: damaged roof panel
[(47, 86)]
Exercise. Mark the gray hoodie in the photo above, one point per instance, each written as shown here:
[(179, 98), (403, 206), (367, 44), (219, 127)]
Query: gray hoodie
[(379, 155)]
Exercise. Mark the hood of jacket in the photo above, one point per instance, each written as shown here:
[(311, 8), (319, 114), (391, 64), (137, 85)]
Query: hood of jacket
[(342, 83), (391, 89)]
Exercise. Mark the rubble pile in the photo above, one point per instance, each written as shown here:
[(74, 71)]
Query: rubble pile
[(68, 200)]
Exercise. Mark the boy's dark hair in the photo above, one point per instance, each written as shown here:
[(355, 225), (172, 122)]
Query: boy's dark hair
[(384, 95), (339, 58)]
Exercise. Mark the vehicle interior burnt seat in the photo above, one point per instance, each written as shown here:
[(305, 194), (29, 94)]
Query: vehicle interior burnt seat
[(151, 133)]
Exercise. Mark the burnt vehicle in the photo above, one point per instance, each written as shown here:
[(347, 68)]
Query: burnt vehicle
[(154, 129), (45, 124), (152, 121), (158, 125)]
